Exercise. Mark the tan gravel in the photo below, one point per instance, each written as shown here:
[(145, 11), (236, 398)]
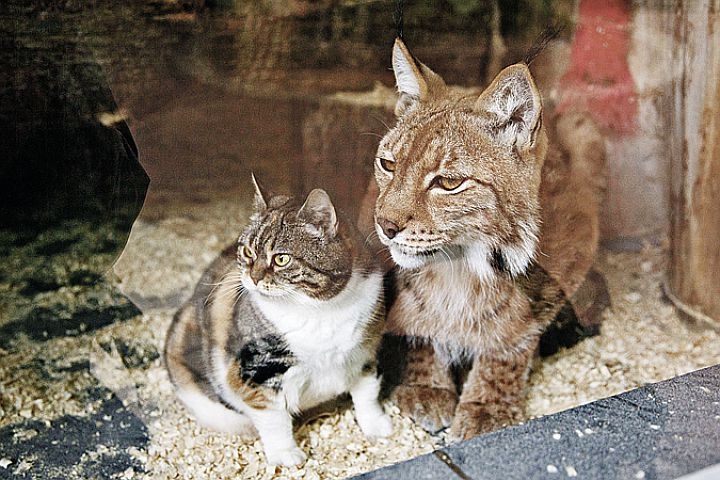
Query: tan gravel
[(643, 341)]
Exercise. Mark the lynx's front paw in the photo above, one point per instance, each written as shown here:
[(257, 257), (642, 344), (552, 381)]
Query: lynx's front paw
[(472, 419), (288, 457), (431, 408)]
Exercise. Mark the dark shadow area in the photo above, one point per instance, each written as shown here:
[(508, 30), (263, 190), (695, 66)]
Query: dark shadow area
[(64, 155), (94, 446), (71, 184)]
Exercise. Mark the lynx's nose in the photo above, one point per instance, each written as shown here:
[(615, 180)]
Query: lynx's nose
[(389, 228)]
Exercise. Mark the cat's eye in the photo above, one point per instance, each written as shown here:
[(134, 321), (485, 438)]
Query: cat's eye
[(447, 183), (386, 164), (247, 252), (281, 259)]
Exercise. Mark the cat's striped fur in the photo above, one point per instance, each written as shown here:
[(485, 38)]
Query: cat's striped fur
[(288, 319)]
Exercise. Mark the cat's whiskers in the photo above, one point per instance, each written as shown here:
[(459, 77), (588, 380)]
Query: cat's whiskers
[(291, 295), (212, 292), (382, 251), (369, 237), (232, 293), (298, 297), (239, 292), (233, 279), (384, 254), (414, 273)]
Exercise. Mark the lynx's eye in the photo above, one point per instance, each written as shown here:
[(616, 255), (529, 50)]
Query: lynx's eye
[(281, 259), (451, 185), (386, 164)]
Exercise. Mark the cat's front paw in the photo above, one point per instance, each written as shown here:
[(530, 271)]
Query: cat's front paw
[(431, 408), (376, 427), (288, 457)]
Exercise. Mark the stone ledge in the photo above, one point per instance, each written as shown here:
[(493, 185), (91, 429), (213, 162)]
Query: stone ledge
[(660, 431)]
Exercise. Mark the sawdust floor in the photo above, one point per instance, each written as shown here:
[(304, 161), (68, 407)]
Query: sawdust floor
[(99, 397)]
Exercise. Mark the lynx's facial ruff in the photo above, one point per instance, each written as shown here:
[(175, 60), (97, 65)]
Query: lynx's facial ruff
[(459, 175)]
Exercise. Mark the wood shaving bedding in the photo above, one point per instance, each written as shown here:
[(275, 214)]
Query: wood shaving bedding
[(643, 340)]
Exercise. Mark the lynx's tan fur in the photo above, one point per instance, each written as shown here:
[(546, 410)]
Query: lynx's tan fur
[(489, 236)]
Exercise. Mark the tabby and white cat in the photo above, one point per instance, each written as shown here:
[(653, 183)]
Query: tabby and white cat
[(289, 319), (459, 208)]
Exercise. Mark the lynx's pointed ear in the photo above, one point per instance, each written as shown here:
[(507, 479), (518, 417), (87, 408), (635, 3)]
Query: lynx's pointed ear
[(415, 82), (319, 213), (513, 105), (259, 203)]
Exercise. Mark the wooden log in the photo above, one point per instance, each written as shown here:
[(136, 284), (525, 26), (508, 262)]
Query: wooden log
[(693, 277), (340, 141)]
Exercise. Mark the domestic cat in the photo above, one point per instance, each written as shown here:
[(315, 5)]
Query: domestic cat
[(288, 319), (493, 231)]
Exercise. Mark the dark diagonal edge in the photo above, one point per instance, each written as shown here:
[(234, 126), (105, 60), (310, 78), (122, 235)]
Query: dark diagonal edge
[(660, 431)]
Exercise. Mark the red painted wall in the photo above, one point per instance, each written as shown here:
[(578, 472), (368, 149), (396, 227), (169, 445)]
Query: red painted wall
[(598, 79)]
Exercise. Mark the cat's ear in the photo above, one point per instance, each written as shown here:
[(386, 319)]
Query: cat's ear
[(513, 105), (319, 214), (415, 81), (259, 202)]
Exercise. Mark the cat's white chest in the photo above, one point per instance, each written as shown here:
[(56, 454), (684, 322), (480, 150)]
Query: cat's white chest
[(329, 359), (326, 337)]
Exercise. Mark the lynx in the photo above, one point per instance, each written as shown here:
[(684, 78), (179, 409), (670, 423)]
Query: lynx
[(492, 229)]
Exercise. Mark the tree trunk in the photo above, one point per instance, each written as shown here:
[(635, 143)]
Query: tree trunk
[(694, 270)]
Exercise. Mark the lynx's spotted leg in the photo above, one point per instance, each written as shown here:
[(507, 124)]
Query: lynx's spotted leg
[(427, 393), (492, 396), (493, 230)]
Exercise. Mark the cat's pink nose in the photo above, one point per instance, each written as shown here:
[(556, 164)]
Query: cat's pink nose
[(257, 272), (389, 228)]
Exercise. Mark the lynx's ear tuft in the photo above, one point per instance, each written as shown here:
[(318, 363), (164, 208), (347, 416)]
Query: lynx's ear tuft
[(415, 82), (259, 202), (513, 105), (319, 214)]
